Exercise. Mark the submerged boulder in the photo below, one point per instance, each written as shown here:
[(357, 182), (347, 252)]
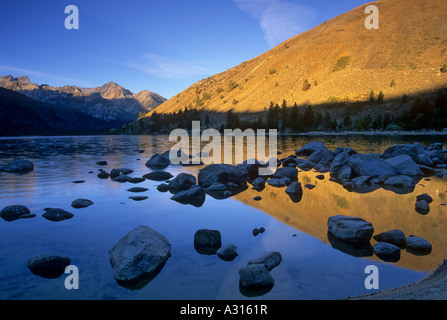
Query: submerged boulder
[(81, 203), (223, 173), (405, 165), (418, 245), (387, 251), (158, 161), (269, 259), (310, 148), (207, 241), (139, 256), (19, 165), (116, 172), (195, 196), (422, 207), (48, 266), (396, 237), (256, 277), (158, 176), (15, 212), (370, 165), (227, 253), (56, 214), (182, 181), (350, 229)]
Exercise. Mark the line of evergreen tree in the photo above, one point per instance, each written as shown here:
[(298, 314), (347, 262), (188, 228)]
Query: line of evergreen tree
[(424, 114)]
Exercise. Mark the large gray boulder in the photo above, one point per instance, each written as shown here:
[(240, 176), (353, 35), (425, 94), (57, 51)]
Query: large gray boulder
[(350, 229), (158, 161), (286, 172), (418, 245), (194, 196), (387, 251), (310, 148), (256, 277), (395, 236), (412, 150), (182, 181), (369, 165), (139, 256), (400, 181), (223, 173), (19, 165), (405, 165), (321, 156)]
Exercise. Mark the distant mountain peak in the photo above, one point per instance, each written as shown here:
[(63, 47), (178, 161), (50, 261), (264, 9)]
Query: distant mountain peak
[(109, 102)]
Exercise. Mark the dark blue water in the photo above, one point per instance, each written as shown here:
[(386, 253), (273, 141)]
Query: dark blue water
[(311, 267)]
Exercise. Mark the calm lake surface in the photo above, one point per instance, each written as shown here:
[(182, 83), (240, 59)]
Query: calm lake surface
[(312, 268)]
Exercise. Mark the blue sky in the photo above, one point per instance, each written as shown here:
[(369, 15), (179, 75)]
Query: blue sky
[(163, 46)]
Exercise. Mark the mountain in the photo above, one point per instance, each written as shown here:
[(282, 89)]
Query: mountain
[(21, 115), (110, 102), (340, 59)]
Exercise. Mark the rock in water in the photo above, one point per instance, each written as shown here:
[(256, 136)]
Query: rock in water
[(194, 196), (350, 229), (387, 251), (227, 253), (310, 148), (256, 277), (182, 181), (139, 256), (396, 237), (137, 189), (18, 166), (57, 214), (15, 212), (48, 266), (422, 207), (418, 245), (425, 197), (116, 172), (223, 173), (370, 165), (270, 260), (158, 161), (81, 203), (158, 176), (207, 241)]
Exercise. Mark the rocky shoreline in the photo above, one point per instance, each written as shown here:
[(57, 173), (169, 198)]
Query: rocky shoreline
[(432, 287)]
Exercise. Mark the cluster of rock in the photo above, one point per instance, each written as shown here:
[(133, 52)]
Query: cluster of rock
[(141, 254), (399, 168), (352, 235)]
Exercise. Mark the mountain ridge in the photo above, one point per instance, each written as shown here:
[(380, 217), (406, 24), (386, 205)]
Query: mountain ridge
[(340, 59), (110, 102)]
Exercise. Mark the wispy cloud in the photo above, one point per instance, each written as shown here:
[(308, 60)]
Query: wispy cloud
[(278, 19), (42, 75), (168, 68)]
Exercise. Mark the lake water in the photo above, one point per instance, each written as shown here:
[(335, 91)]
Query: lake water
[(312, 268)]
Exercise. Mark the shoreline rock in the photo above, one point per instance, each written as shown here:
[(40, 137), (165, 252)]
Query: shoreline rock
[(139, 256)]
